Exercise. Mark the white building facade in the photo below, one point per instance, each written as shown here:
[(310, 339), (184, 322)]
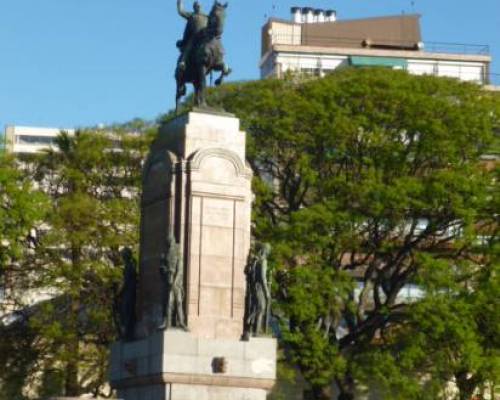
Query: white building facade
[(28, 140), (313, 43)]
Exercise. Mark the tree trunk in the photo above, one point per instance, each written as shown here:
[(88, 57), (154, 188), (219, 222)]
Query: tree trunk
[(318, 393), (72, 387), (346, 387), (71, 383), (466, 394), (466, 386)]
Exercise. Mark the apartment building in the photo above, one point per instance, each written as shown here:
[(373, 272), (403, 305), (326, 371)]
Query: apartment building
[(28, 139), (316, 42)]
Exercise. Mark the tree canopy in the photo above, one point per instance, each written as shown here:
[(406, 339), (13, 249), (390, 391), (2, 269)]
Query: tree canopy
[(22, 209), (92, 180), (370, 185)]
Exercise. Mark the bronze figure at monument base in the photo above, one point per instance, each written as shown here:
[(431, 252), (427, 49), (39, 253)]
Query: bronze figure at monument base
[(258, 294), (172, 272)]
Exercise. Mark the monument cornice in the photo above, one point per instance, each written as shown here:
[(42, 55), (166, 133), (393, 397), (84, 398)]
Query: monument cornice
[(212, 195), (198, 379)]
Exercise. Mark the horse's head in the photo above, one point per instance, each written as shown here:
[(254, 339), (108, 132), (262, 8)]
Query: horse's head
[(219, 5), (216, 18)]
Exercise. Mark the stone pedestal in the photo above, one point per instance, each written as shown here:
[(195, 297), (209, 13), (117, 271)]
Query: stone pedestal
[(176, 365), (196, 187)]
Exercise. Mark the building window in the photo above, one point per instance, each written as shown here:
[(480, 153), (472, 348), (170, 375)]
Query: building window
[(311, 71), (35, 140), (367, 61)]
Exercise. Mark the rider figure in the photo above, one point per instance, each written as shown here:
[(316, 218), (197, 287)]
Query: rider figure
[(196, 22)]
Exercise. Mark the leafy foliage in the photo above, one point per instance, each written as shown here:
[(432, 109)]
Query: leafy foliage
[(383, 218), (22, 208), (368, 182), (93, 182)]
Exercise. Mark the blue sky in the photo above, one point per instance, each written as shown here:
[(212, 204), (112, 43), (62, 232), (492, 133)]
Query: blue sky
[(69, 63)]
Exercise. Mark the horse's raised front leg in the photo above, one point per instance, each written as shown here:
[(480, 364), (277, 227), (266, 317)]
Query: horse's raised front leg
[(225, 71)]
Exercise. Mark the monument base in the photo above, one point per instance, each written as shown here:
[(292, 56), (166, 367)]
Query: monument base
[(175, 365)]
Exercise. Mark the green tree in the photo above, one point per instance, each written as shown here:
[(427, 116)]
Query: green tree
[(21, 210), (93, 182), (366, 180), (460, 332), (449, 347)]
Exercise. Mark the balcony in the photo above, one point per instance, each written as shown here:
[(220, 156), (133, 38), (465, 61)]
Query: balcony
[(298, 39)]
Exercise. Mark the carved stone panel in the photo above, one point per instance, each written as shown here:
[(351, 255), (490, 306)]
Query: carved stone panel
[(219, 235), (196, 186)]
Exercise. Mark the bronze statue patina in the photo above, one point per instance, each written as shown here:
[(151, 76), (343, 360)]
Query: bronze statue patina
[(258, 296), (171, 270), (201, 50), (196, 21), (125, 301)]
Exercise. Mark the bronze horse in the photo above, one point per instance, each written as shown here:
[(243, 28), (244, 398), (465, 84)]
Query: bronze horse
[(205, 56)]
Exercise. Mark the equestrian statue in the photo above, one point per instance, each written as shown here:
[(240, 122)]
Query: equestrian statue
[(201, 50)]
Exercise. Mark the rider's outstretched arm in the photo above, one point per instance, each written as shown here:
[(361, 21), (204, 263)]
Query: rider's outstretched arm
[(182, 12)]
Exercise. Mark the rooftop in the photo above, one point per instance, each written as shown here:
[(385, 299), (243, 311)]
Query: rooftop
[(394, 32)]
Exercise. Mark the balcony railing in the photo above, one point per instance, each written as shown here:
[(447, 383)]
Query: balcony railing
[(330, 41), (457, 48)]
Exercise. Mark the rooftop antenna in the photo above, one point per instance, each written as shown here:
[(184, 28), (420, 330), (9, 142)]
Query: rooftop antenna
[(272, 13)]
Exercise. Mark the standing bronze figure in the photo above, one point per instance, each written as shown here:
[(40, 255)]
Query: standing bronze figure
[(258, 296), (201, 50), (172, 272), (125, 301)]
